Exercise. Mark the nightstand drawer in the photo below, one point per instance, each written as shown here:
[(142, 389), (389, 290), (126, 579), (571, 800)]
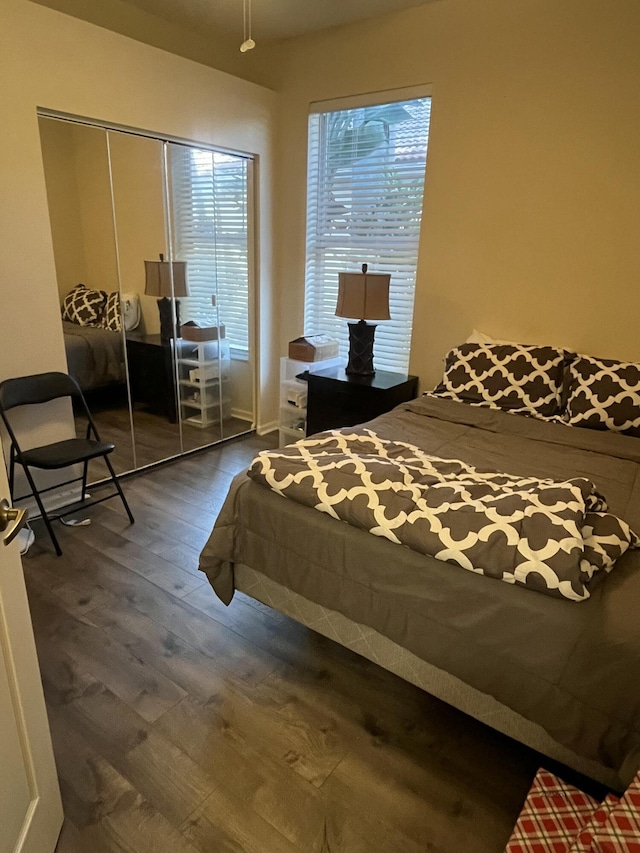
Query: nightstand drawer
[(336, 399)]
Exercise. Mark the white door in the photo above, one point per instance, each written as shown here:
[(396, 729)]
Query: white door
[(30, 807)]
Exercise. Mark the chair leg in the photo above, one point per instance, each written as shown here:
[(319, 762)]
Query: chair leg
[(12, 471), (43, 511), (116, 483), (84, 480)]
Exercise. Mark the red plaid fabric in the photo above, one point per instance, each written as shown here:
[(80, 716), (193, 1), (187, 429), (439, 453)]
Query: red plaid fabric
[(584, 841), (551, 818), (621, 832)]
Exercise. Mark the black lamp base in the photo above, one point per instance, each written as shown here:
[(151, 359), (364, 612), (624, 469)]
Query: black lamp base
[(361, 349), (169, 323)]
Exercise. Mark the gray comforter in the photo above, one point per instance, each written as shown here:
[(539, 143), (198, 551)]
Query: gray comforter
[(95, 356), (548, 535), (572, 668)]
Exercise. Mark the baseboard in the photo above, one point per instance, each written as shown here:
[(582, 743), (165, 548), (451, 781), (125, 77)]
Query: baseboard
[(242, 414), (263, 429)]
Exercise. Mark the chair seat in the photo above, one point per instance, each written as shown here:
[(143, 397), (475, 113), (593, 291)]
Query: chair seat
[(64, 453)]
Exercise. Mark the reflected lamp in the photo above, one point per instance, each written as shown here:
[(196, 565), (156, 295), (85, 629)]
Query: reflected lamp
[(159, 278)]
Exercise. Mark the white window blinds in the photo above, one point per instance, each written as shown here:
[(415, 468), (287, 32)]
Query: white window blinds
[(365, 185), (210, 232)]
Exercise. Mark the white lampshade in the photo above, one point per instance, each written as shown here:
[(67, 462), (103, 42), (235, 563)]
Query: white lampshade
[(363, 296)]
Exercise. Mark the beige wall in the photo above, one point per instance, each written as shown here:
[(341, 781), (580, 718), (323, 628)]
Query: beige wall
[(214, 49), (53, 61), (533, 179)]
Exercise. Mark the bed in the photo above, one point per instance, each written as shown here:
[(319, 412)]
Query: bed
[(92, 324), (95, 356), (561, 676)]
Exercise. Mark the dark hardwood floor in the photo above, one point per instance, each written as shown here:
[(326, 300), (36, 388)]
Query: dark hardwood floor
[(182, 725)]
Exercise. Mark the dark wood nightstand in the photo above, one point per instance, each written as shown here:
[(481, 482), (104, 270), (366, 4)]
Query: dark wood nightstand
[(337, 399), (151, 374)]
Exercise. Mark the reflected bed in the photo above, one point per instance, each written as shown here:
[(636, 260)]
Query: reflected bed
[(95, 356)]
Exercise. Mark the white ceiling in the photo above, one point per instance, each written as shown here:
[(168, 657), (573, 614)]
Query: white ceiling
[(271, 19)]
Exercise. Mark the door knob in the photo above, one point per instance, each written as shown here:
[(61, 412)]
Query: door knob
[(11, 521)]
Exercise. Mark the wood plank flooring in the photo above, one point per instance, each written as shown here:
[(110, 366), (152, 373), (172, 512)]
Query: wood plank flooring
[(155, 438), (182, 725)]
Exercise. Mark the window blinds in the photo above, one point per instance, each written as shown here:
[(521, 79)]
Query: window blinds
[(365, 186), (210, 232)]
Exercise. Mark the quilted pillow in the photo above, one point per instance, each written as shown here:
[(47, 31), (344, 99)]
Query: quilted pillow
[(604, 394), (512, 377), (130, 303), (111, 317), (84, 307)]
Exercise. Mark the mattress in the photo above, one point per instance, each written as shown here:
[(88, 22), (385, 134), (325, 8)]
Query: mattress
[(571, 668)]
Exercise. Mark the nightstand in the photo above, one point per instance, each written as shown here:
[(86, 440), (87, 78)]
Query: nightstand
[(151, 374), (337, 399)]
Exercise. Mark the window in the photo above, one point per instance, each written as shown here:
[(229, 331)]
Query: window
[(365, 185), (210, 224)]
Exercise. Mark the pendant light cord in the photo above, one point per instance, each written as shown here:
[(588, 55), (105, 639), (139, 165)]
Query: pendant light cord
[(248, 42)]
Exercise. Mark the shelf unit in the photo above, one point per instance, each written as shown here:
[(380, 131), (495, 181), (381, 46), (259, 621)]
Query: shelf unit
[(203, 382), (292, 423)]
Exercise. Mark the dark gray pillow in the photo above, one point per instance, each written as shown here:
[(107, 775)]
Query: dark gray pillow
[(112, 317), (513, 377), (84, 307), (604, 394)]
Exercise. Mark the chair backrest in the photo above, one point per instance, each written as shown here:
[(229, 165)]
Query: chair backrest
[(38, 388)]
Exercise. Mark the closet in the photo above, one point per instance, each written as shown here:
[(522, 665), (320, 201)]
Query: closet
[(153, 252)]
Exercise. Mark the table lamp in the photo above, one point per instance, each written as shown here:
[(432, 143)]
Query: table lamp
[(158, 277), (365, 296)]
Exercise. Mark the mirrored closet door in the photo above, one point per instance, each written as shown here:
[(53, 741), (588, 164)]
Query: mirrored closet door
[(208, 201), (152, 245)]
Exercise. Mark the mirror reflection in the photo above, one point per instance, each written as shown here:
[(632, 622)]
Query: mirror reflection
[(209, 201), (137, 175), (152, 253), (78, 184)]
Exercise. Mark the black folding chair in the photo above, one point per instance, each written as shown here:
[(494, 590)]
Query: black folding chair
[(41, 388)]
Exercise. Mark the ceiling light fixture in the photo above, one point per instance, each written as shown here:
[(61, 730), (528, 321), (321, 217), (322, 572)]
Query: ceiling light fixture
[(248, 43)]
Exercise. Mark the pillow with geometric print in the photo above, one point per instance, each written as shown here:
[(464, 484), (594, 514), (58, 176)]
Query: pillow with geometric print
[(604, 394), (111, 317), (121, 309), (83, 306), (513, 377)]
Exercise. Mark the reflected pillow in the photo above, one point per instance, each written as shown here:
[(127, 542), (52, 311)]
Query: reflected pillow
[(111, 318), (131, 310), (604, 394), (512, 377), (83, 306), (119, 308)]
